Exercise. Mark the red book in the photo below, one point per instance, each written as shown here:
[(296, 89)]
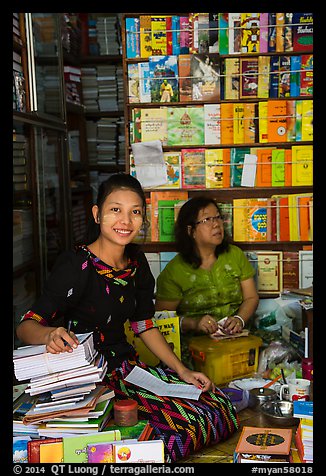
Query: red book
[(33, 448), (290, 269), (283, 223)]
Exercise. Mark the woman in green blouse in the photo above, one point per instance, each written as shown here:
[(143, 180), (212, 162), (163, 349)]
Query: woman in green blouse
[(208, 279)]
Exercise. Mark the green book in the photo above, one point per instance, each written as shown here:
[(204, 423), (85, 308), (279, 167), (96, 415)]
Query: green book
[(75, 447), (237, 160), (127, 432), (186, 125), (166, 219), (278, 167)]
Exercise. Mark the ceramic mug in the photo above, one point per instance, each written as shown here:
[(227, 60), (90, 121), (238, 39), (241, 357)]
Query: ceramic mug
[(298, 389)]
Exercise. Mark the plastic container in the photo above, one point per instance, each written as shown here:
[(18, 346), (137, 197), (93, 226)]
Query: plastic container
[(125, 412), (225, 360)]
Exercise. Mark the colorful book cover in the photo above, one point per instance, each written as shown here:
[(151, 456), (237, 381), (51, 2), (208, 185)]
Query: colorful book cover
[(238, 123), (264, 440), (145, 36), (263, 40), (227, 168), (307, 75), (234, 33), (271, 32), (278, 167), (164, 82), (231, 78), (169, 45), (302, 31), (302, 165), (280, 22), (185, 82), (214, 168), (193, 32), (212, 124), (33, 448), (203, 32), (193, 172), (263, 121), (132, 38), (184, 35), (133, 83), (144, 81), (282, 217), (172, 161), (288, 168), (175, 35), (288, 34), (162, 195), (273, 76), (264, 167), (185, 125), (271, 232), (205, 77), (154, 124), (237, 160), (284, 77), (295, 67), (129, 451), (166, 220), (263, 77), (290, 269), (303, 409), (240, 219), (302, 208), (158, 26), (269, 272), (227, 123), (223, 33), (276, 112), (213, 33), (250, 32), (248, 77), (226, 210), (256, 219), (100, 452), (51, 453), (291, 120), (75, 447), (250, 122)]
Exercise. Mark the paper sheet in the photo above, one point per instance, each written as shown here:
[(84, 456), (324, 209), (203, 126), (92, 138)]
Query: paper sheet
[(149, 163), (140, 377)]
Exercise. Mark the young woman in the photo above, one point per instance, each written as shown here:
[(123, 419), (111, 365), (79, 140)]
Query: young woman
[(98, 287), (209, 279)]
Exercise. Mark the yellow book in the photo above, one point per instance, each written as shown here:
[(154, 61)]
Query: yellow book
[(238, 123), (263, 77), (232, 78), (306, 120), (293, 218), (240, 219), (214, 168), (159, 42), (302, 165), (154, 124), (145, 36), (51, 452), (263, 121), (227, 123)]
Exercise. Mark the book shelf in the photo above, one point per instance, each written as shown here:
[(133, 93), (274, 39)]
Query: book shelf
[(260, 88)]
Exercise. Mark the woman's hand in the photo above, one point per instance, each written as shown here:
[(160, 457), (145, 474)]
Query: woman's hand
[(198, 379), (233, 325), (207, 324), (59, 340)]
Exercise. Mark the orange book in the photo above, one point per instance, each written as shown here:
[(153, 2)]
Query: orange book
[(255, 440), (303, 204), (227, 123), (277, 121), (185, 85), (162, 195), (250, 122), (287, 167), (283, 219), (264, 167)]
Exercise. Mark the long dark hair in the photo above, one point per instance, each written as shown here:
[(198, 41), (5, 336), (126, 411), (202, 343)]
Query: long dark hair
[(188, 215), (115, 182)]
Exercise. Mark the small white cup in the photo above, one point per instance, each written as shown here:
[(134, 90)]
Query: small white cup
[(298, 389)]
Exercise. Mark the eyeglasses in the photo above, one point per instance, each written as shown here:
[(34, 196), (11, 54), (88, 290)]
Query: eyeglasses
[(209, 221)]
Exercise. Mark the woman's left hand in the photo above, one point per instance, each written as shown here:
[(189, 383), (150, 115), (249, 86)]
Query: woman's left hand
[(233, 325), (198, 379)]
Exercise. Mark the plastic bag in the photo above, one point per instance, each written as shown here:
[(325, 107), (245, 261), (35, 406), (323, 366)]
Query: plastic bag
[(271, 316)]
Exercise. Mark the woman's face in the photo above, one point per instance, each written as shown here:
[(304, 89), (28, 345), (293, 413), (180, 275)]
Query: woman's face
[(121, 216), (209, 232)]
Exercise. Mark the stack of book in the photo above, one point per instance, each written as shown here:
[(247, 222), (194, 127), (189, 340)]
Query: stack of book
[(304, 433)]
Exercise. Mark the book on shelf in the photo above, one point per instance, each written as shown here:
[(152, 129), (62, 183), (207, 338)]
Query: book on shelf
[(223, 36), (154, 124), (295, 67), (263, 37), (250, 32), (277, 126), (144, 82), (263, 77), (205, 77), (226, 123), (203, 33), (159, 35), (290, 269), (284, 76), (278, 167), (133, 83), (250, 219), (306, 262), (185, 82), (175, 34), (238, 123), (264, 167), (248, 78), (166, 220), (288, 35), (302, 206), (269, 272), (213, 33), (226, 210), (237, 159), (302, 165), (250, 123), (231, 78), (291, 120), (145, 28), (184, 34), (273, 76), (307, 120), (263, 445), (298, 120), (280, 22), (212, 124), (193, 168), (164, 82), (193, 32), (172, 161), (185, 125), (234, 31), (132, 37), (155, 196), (214, 168), (302, 31)]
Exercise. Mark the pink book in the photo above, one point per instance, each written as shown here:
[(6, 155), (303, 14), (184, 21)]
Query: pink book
[(263, 41), (184, 35)]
